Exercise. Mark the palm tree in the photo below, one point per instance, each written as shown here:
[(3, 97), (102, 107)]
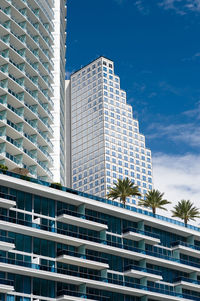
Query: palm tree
[(123, 189), (154, 199), (185, 210)]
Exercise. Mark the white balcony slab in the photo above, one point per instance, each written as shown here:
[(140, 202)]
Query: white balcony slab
[(6, 288), (21, 270), (188, 285), (6, 246), (4, 203), (82, 262), (138, 236), (95, 246), (71, 298), (140, 274), (187, 251), (81, 222)]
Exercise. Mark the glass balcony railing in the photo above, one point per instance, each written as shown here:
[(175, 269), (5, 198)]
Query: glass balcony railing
[(7, 196), (93, 277), (178, 279), (7, 239), (83, 256), (145, 270), (50, 228), (184, 244), (6, 282), (115, 204), (83, 216), (82, 295), (146, 233)]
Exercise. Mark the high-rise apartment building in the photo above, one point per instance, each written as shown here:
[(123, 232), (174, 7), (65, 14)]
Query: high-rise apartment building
[(105, 140), (29, 87), (64, 245)]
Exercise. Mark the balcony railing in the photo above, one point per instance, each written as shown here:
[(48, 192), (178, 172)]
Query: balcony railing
[(7, 196), (146, 233), (6, 282), (145, 270), (113, 203), (178, 279), (49, 229), (7, 239), (82, 295), (94, 277), (83, 216), (83, 256), (184, 244)]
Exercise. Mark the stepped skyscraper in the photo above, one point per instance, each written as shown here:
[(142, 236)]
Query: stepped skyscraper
[(32, 75), (105, 140)]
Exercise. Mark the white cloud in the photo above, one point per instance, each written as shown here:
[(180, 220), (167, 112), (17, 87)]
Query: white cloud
[(178, 177), (181, 6), (187, 133)]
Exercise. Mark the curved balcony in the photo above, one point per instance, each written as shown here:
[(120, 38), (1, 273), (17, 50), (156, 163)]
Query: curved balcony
[(137, 235), (83, 260), (186, 283), (6, 286), (81, 220), (7, 201), (65, 295), (6, 243), (95, 281), (186, 248), (139, 272)]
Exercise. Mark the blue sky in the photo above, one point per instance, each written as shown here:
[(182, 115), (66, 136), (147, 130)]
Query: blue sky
[(155, 46)]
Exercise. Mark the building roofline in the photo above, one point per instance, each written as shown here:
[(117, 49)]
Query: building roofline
[(101, 56)]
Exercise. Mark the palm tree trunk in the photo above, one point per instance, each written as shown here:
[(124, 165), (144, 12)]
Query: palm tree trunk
[(154, 210)]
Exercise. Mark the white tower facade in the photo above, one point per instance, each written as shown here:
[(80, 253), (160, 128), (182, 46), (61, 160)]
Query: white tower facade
[(59, 34), (105, 140), (26, 85)]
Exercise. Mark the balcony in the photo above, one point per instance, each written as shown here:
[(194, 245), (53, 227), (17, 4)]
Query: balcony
[(81, 260), (7, 201), (137, 235), (74, 277), (6, 243), (6, 286), (81, 220), (186, 248), (187, 283), (77, 296), (139, 272)]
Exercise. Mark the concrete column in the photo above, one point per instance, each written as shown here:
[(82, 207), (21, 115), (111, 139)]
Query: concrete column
[(176, 254), (103, 236), (178, 289), (81, 250), (193, 276), (141, 225), (190, 240), (82, 290), (104, 275), (141, 244), (143, 263), (81, 209), (143, 281)]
